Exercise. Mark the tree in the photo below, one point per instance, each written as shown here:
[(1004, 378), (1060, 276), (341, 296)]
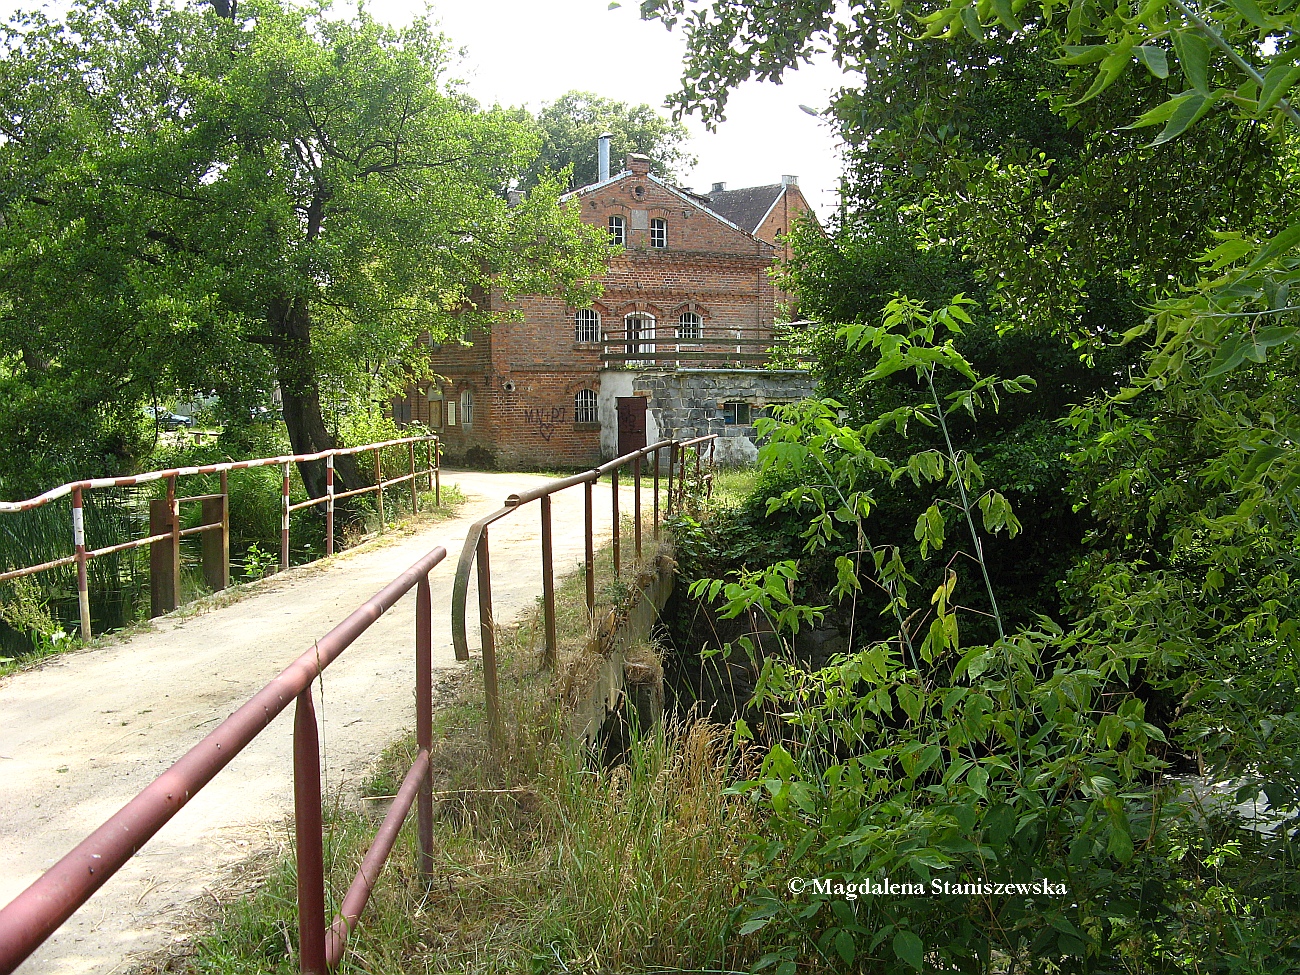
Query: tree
[(275, 195), (1146, 151), (571, 125)]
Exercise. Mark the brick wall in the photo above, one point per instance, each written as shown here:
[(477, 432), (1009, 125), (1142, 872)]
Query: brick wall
[(525, 376)]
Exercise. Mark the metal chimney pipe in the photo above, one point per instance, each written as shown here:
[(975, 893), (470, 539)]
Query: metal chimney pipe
[(603, 157)]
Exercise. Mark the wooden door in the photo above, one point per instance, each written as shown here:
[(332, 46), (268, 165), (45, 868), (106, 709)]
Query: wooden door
[(631, 423)]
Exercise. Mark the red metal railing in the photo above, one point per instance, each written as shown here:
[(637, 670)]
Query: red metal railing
[(39, 910), (476, 546), (165, 531)]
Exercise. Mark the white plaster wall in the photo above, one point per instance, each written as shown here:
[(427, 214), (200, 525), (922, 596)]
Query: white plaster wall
[(613, 384)]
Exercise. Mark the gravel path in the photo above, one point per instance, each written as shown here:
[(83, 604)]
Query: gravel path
[(83, 734)]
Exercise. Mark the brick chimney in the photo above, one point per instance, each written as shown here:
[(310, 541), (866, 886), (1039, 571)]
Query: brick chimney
[(638, 164)]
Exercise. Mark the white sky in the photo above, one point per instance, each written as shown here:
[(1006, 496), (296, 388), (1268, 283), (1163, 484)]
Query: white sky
[(527, 52)]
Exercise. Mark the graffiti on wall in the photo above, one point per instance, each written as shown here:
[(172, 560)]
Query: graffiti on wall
[(544, 419)]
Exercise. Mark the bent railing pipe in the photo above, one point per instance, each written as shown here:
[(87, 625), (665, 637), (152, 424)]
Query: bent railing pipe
[(474, 554), (38, 911)]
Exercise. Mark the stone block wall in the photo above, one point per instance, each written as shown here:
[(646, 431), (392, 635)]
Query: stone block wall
[(689, 403)]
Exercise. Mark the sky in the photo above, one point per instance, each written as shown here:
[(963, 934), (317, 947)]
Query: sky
[(528, 52)]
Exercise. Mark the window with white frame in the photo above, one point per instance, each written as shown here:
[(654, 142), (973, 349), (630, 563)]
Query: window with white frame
[(586, 325), (584, 406), (690, 326), (617, 231), (658, 232), (466, 408)]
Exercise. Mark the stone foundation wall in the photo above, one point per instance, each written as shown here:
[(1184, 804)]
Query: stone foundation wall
[(690, 403)]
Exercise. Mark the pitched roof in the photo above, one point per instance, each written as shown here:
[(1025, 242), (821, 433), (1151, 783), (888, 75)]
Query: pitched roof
[(695, 199), (745, 207)]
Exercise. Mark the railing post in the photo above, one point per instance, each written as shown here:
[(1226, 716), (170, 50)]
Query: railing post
[(636, 504), (437, 473), (415, 489), (424, 718), (428, 466), (656, 483), (309, 836), (284, 519), (613, 480), (379, 488), (589, 552), (486, 630), (672, 460), (329, 505), (548, 584), (681, 479), (216, 544), (79, 544), (225, 522), (164, 554)]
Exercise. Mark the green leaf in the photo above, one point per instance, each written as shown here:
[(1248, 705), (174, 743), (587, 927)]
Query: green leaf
[(1155, 60), (1193, 58), (1250, 11), (972, 23), (1230, 354), (1161, 113), (1005, 14), (1260, 459), (1276, 247), (908, 947), (1120, 845), (845, 946), (754, 924), (1277, 81), (1186, 114)]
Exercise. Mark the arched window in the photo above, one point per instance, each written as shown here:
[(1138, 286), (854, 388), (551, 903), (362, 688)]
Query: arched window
[(586, 325), (617, 234), (584, 406), (690, 326), (466, 408), (640, 336)]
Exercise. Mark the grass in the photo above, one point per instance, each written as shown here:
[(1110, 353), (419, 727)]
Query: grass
[(543, 862)]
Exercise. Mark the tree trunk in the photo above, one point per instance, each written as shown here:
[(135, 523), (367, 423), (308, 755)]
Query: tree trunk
[(290, 323)]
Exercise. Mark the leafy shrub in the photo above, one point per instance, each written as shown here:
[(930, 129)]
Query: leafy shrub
[(929, 758)]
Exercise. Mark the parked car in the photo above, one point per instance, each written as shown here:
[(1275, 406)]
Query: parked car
[(167, 419)]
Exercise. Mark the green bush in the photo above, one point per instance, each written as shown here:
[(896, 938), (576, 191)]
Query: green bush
[(931, 757)]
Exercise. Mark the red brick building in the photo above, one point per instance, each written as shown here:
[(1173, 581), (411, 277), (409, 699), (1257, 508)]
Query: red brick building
[(690, 291)]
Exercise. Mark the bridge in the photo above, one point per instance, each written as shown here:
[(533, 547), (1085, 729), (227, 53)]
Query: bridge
[(85, 737)]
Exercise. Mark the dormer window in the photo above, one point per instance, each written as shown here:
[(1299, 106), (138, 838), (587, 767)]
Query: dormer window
[(617, 231), (658, 232)]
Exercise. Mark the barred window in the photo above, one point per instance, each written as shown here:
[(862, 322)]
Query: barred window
[(658, 232), (617, 236), (584, 406), (689, 326), (466, 408), (586, 325)]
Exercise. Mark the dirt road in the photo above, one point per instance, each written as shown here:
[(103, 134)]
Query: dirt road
[(83, 734)]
